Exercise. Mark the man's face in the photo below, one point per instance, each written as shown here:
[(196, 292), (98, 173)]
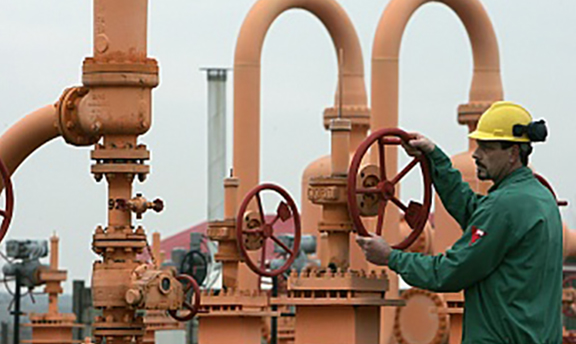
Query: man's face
[(492, 162)]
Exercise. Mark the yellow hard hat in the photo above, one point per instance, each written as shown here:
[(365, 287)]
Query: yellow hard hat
[(497, 123)]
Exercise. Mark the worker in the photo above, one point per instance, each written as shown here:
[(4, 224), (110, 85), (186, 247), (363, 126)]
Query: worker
[(509, 259)]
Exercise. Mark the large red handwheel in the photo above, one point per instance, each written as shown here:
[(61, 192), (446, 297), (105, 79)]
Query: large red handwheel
[(549, 187), (569, 309), (189, 283), (253, 232), (9, 192), (382, 189)]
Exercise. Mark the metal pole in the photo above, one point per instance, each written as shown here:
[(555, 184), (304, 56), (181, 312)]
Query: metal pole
[(274, 319), (16, 311), (4, 337), (216, 140), (77, 306)]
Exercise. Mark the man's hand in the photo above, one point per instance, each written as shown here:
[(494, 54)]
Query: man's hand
[(375, 248), (418, 144)]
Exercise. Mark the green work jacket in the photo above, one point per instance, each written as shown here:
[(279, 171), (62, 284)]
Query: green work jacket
[(508, 261)]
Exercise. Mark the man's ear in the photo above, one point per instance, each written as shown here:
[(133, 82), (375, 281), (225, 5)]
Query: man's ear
[(514, 154)]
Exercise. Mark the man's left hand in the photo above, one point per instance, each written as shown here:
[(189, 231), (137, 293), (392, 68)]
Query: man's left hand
[(375, 248)]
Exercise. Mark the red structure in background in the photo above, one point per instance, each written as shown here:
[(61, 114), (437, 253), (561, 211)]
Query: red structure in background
[(182, 239)]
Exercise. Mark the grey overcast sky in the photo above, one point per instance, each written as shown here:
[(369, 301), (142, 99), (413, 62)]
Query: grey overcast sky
[(43, 44)]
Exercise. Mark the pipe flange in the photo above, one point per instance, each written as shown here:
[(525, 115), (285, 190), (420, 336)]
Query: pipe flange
[(469, 113), (359, 115), (423, 320), (121, 71), (68, 120)]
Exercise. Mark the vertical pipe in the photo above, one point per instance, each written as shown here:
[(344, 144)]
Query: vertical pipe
[(340, 147), (231, 197), (216, 141), (17, 308), (78, 306), (52, 296), (4, 335), (274, 319), (54, 252), (156, 248)]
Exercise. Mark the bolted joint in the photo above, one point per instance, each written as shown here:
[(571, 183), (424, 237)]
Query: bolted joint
[(68, 122)]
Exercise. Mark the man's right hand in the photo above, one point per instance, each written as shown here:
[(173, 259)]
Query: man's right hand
[(418, 145)]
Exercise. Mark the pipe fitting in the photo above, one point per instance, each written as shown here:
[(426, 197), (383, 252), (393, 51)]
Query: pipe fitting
[(359, 115), (69, 123)]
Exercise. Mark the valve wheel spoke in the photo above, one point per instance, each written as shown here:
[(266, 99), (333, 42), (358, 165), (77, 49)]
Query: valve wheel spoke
[(281, 244), (260, 209), (2, 213), (275, 219), (187, 305), (404, 171), (263, 256), (382, 159), (381, 213), (399, 204)]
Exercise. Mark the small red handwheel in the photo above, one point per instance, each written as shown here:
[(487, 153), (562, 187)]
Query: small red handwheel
[(549, 187), (383, 189), (253, 232), (6, 214), (569, 309), (189, 283)]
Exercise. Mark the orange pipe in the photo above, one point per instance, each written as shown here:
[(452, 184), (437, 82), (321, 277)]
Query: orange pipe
[(27, 135), (247, 74), (486, 81)]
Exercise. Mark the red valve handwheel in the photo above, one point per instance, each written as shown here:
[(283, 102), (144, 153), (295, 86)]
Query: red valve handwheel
[(569, 310), (415, 214), (549, 187), (189, 283), (6, 214), (286, 210)]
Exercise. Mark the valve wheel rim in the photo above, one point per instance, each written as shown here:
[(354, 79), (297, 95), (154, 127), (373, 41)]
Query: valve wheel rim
[(386, 187), (7, 213), (267, 230), (187, 266), (193, 308)]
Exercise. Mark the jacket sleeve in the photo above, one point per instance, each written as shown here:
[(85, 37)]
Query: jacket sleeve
[(471, 259), (456, 195)]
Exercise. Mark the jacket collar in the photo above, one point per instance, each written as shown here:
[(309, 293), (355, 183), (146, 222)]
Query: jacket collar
[(518, 175)]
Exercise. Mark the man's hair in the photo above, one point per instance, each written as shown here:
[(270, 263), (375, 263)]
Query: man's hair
[(525, 149)]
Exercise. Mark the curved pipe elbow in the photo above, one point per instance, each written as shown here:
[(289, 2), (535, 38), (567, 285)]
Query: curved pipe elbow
[(486, 80), (335, 20), (27, 135)]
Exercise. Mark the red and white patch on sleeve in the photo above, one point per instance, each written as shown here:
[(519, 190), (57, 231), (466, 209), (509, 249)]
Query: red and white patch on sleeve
[(477, 233)]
